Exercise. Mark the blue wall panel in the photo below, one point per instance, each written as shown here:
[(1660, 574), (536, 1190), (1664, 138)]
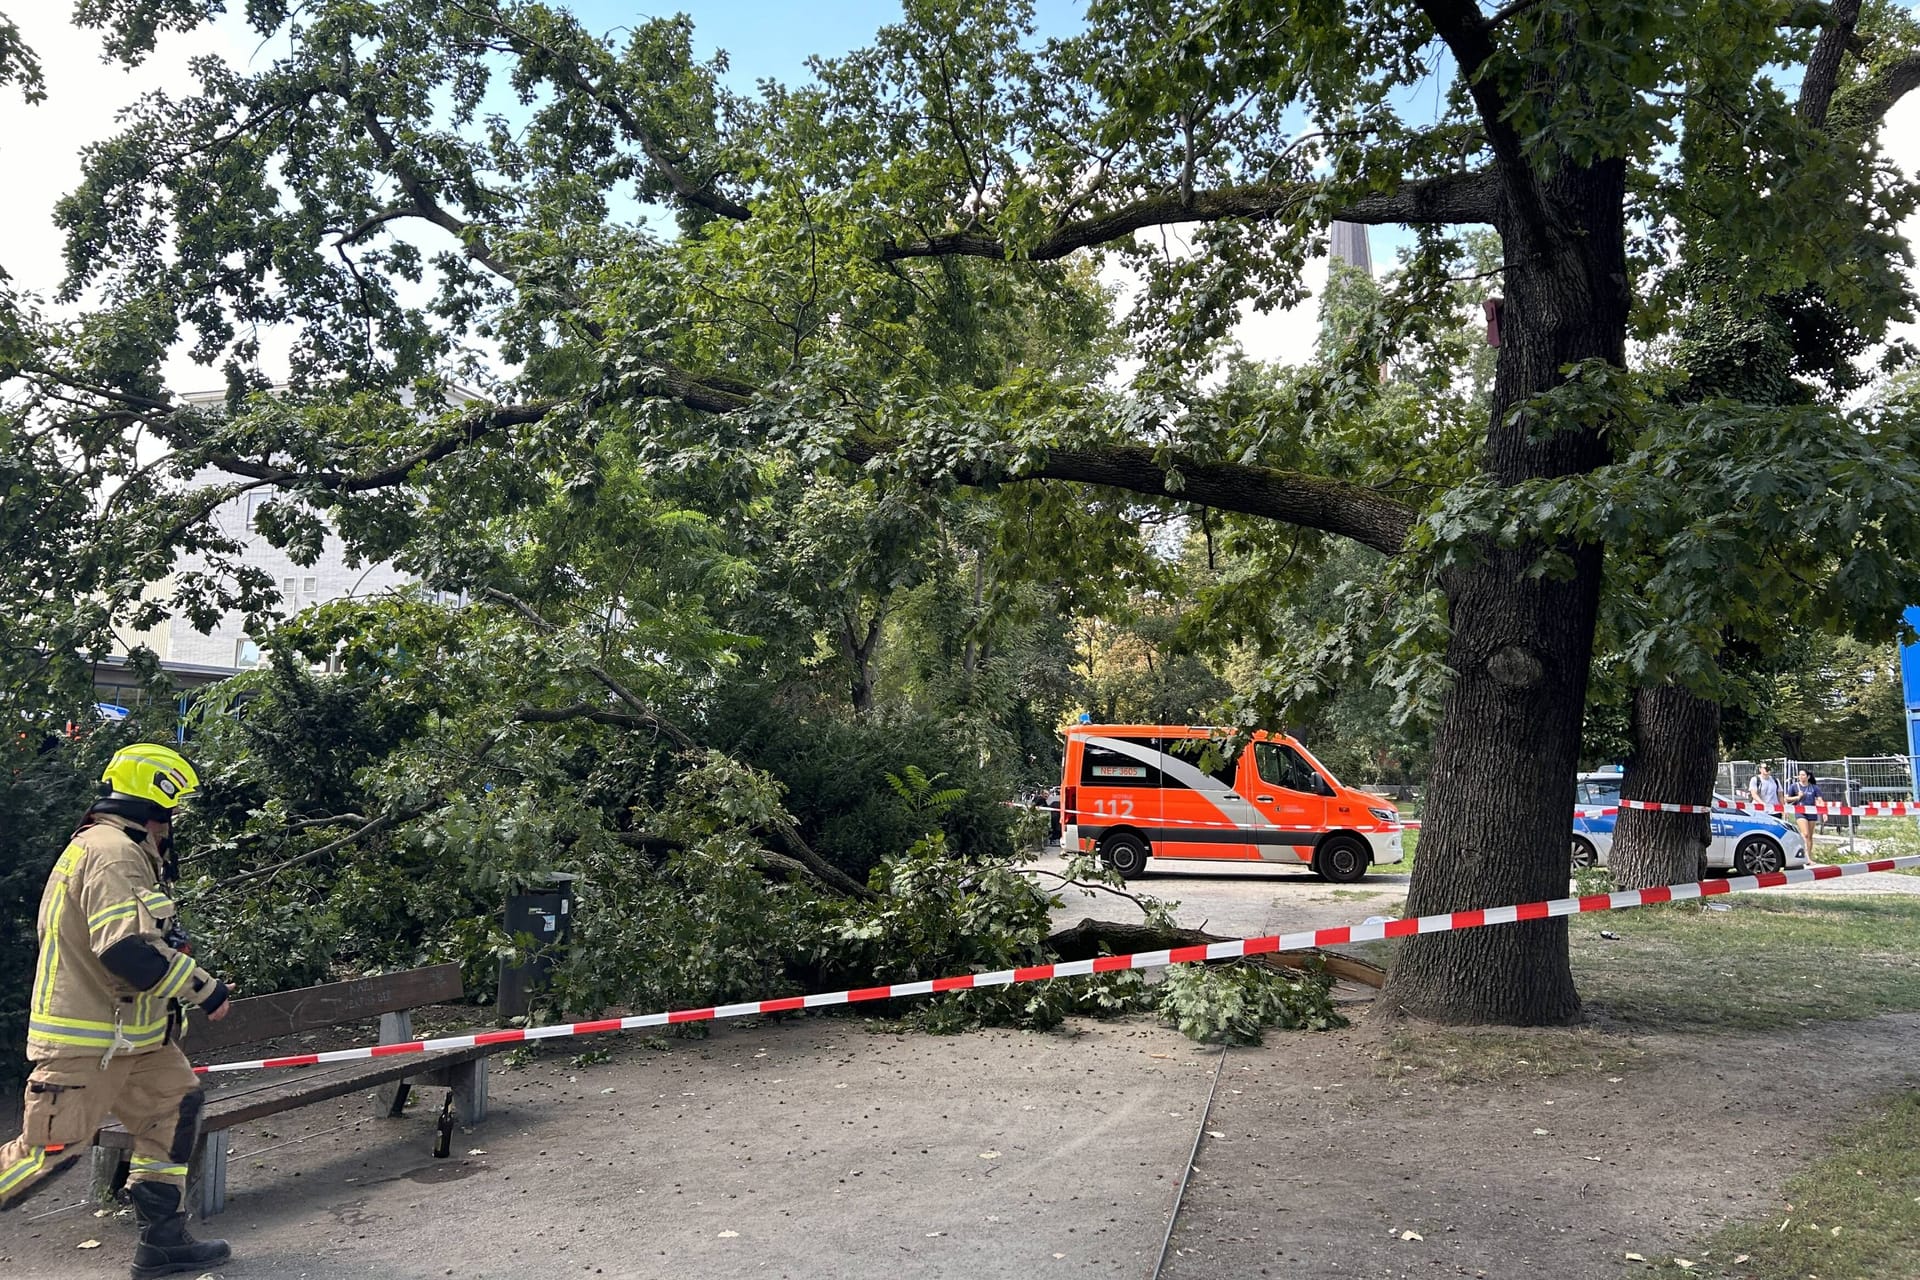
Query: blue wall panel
[(1910, 681)]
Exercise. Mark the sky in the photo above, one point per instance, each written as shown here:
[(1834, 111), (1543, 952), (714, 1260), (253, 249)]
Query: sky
[(40, 144)]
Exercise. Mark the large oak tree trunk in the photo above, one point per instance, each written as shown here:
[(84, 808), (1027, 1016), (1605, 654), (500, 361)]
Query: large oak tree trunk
[(1508, 743), (1676, 739)]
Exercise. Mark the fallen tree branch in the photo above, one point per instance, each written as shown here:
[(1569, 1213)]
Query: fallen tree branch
[(1089, 886), (1091, 938), (766, 859), (645, 716), (373, 827)]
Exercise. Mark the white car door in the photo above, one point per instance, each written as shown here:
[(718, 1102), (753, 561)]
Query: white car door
[(1593, 796), (1721, 852)]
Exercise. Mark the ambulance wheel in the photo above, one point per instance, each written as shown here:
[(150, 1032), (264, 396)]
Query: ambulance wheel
[(1342, 859), (1125, 853)]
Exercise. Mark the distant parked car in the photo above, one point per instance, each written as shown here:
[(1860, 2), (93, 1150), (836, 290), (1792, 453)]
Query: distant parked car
[(1747, 843), (1841, 791)]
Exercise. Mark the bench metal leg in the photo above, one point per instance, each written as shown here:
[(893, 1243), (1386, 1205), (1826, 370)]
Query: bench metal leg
[(470, 1091), (390, 1100), (207, 1176), (109, 1172)]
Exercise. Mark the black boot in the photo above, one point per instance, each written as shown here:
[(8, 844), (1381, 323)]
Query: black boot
[(165, 1248)]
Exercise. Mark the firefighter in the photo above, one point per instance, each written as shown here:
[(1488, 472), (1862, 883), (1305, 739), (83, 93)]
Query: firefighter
[(103, 1025)]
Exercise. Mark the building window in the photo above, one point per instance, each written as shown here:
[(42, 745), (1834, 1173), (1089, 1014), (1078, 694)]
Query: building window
[(257, 498), (298, 593), (246, 655)]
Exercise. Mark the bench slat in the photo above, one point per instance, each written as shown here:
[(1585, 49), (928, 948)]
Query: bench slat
[(307, 1085), (284, 1013)]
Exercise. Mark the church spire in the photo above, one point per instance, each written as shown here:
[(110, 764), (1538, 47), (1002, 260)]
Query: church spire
[(1349, 245)]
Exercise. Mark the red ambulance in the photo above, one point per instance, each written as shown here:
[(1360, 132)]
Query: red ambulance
[(1136, 791)]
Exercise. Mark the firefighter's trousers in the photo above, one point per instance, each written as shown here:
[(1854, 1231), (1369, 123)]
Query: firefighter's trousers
[(154, 1095)]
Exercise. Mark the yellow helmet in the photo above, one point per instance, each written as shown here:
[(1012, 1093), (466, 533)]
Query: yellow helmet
[(149, 771)]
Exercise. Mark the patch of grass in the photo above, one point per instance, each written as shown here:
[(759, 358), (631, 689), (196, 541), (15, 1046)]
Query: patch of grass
[(1499, 1056), (1891, 837), (1769, 960), (1356, 895), (1855, 1213)]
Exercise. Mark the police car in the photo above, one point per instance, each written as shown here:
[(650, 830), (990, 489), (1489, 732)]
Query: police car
[(1748, 843)]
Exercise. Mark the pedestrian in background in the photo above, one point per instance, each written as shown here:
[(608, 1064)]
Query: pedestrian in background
[(1804, 793), (1764, 789)]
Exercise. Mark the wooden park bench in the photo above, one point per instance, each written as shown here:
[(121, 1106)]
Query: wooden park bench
[(264, 1019)]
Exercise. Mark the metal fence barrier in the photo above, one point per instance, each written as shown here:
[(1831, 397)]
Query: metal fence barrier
[(1853, 780)]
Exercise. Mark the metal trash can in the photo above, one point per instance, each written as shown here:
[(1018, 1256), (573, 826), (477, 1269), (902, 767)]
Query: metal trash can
[(545, 915)]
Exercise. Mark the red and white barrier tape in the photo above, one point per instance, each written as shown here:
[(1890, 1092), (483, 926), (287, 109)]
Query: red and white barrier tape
[(1892, 809), (1102, 964)]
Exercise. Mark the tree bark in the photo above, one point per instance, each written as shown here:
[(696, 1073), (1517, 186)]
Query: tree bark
[(1676, 739), (1508, 743), (971, 651), (860, 650)]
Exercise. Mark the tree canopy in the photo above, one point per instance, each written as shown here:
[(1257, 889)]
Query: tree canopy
[(528, 266)]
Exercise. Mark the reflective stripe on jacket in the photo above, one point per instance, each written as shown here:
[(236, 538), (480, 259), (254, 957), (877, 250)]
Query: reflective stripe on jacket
[(104, 890)]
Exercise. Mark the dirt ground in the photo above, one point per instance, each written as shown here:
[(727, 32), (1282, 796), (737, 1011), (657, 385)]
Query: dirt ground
[(820, 1146), (817, 1147), (1324, 1168)]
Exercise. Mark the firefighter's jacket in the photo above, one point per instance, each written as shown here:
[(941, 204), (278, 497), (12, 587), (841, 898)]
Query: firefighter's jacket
[(106, 979)]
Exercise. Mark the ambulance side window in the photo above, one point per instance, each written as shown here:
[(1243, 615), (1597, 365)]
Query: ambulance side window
[(1282, 766), (1202, 753), (1105, 767), (1227, 772)]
